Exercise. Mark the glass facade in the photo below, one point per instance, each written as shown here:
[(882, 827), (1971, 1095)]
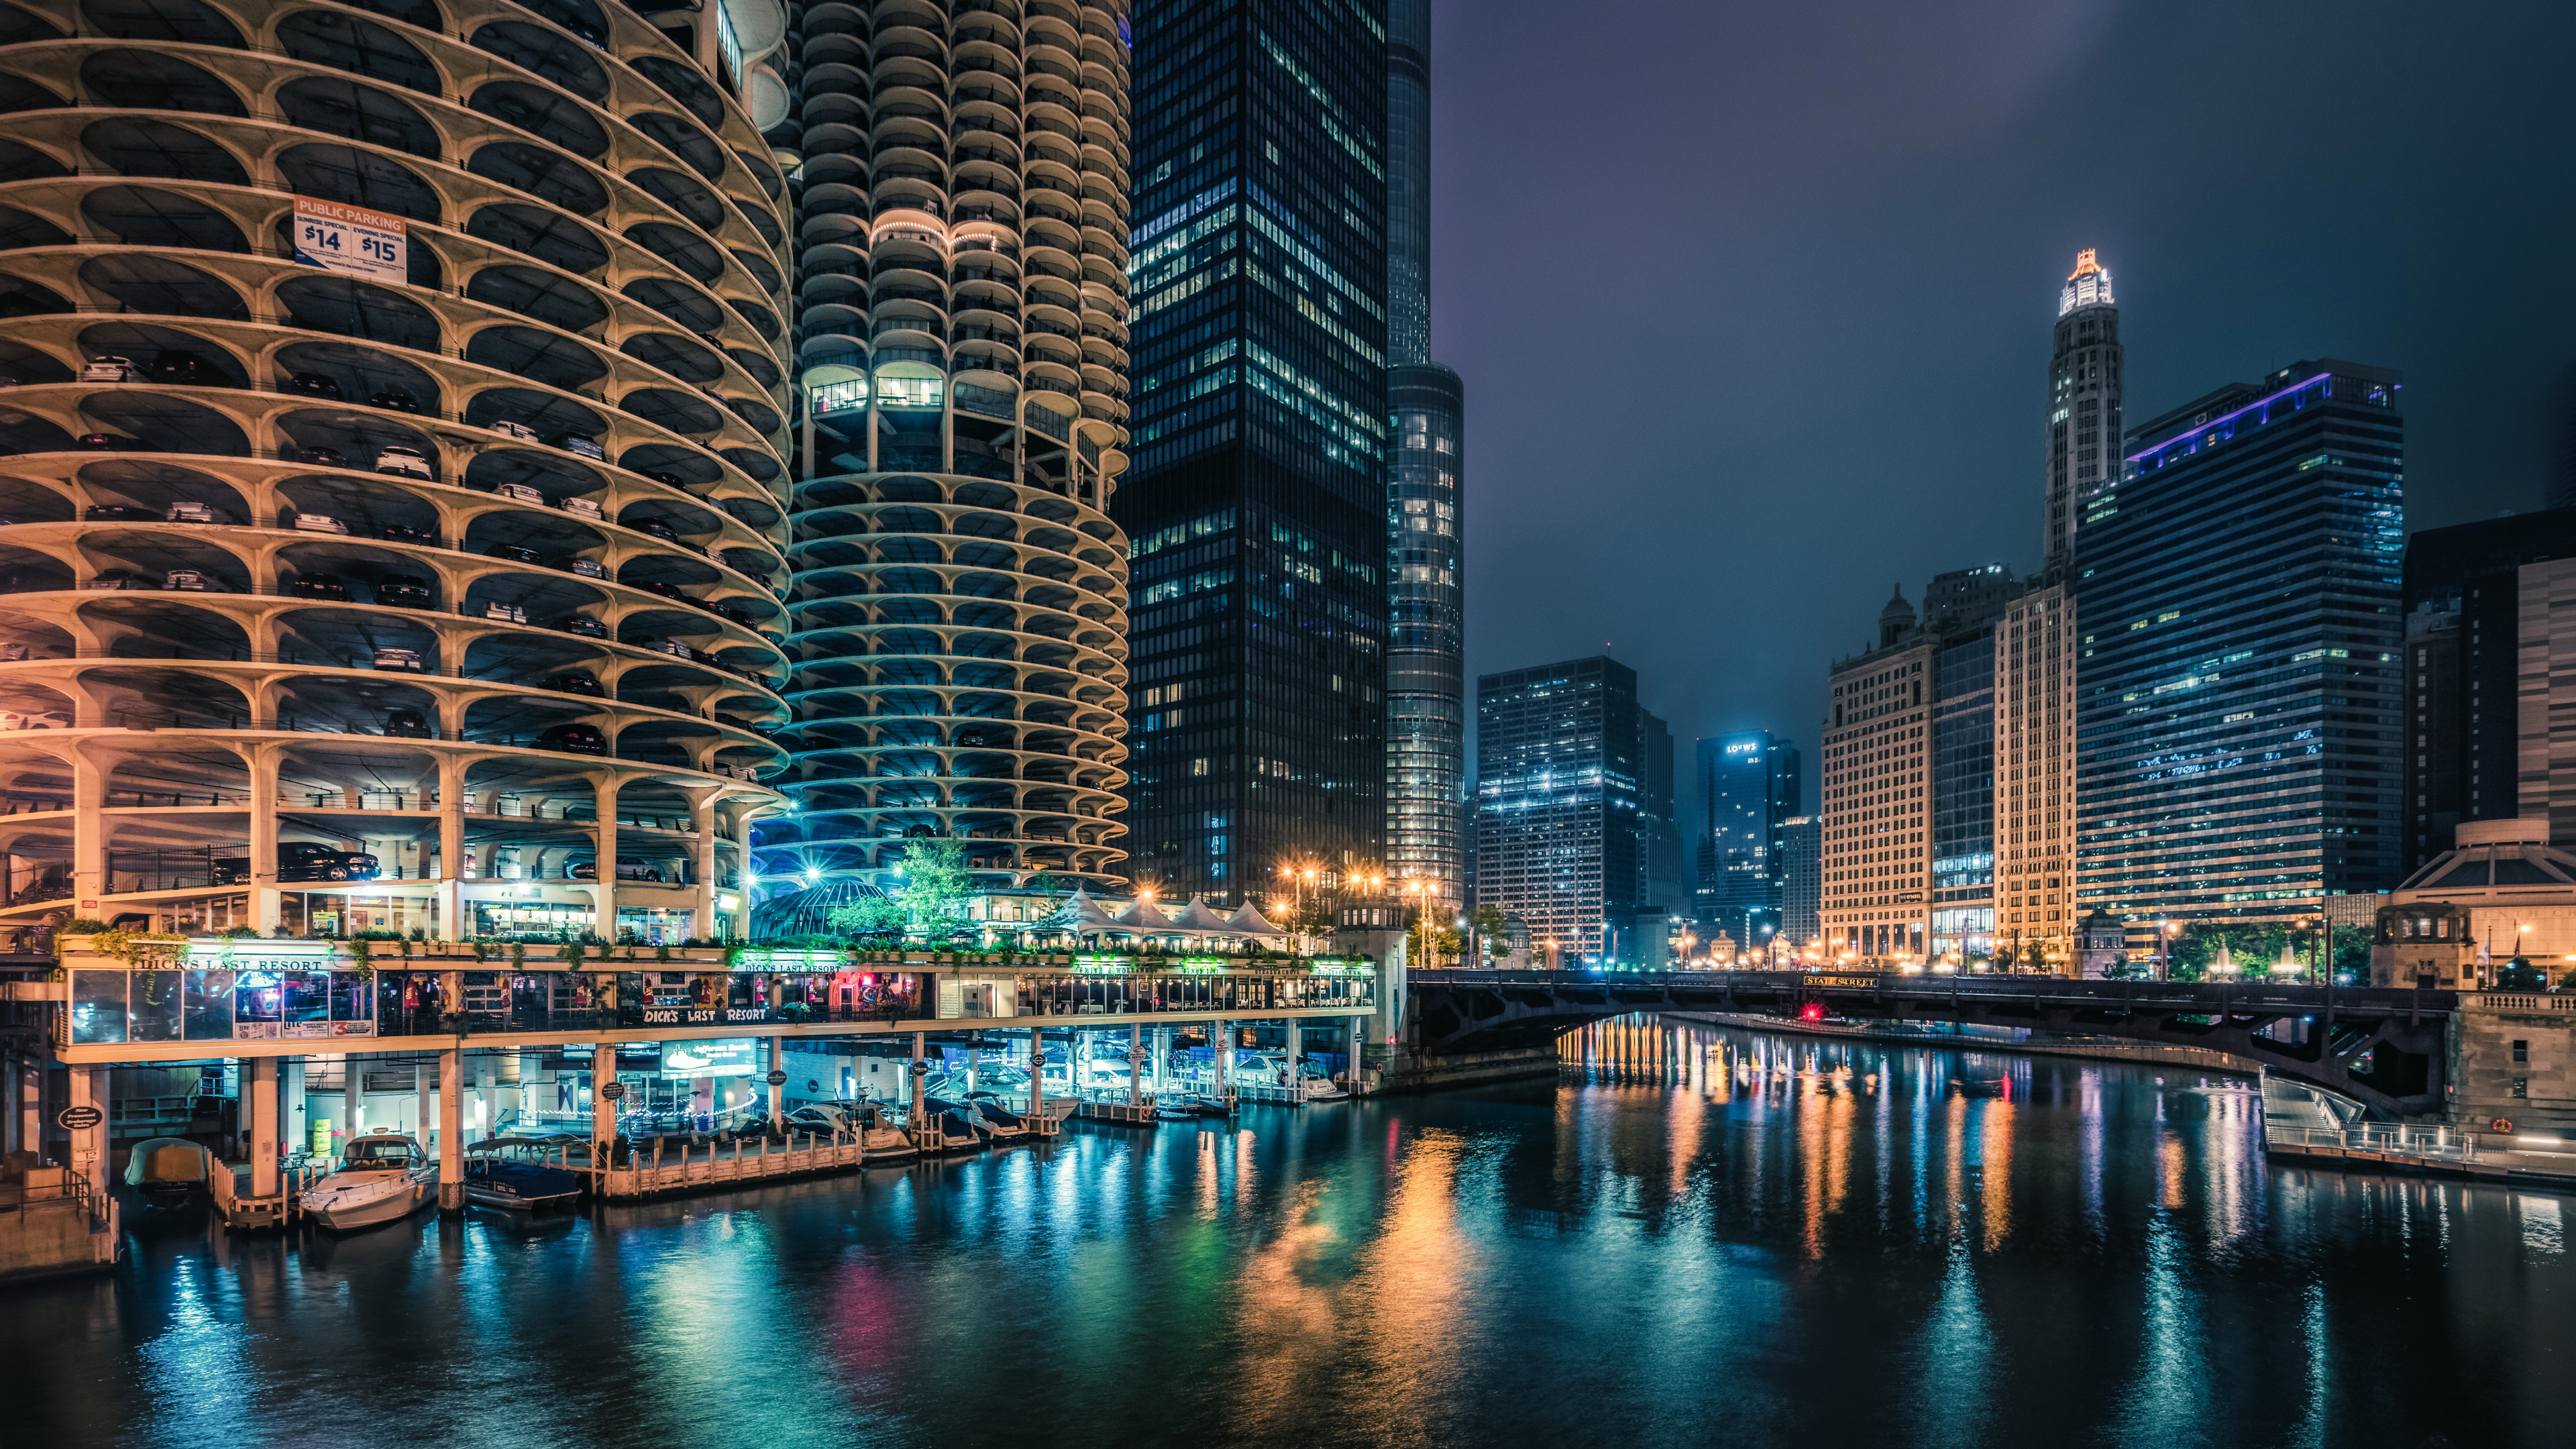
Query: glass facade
[(1256, 503), (2238, 721), (1559, 800), (1426, 710), (1748, 790), (1963, 798)]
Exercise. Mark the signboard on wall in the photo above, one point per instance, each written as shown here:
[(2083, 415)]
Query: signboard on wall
[(351, 239), (732, 1056)]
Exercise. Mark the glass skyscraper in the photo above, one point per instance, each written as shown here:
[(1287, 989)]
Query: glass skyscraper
[(1748, 790), (1560, 810), (2238, 705), (1257, 501), (1426, 666)]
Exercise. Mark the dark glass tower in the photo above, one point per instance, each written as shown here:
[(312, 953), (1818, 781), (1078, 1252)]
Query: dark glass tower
[(2237, 714), (1257, 503), (1560, 779), (1748, 790)]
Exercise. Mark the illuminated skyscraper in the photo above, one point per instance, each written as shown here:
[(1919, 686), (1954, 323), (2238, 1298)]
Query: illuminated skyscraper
[(2034, 647), (960, 608), (1258, 502), (2239, 716), (1426, 712), (2083, 404)]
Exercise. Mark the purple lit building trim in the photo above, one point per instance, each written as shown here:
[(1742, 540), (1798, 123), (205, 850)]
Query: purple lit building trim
[(2221, 422)]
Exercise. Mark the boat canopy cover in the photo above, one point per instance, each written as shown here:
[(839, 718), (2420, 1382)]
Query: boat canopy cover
[(167, 1159)]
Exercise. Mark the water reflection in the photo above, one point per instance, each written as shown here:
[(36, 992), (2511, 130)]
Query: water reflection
[(1694, 1236)]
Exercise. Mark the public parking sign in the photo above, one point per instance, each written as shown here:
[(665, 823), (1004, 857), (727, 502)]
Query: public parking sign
[(351, 239), (777, 1079), (79, 1119), (611, 1091)]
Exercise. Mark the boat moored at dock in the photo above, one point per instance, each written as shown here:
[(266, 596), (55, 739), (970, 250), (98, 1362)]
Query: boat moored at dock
[(384, 1177)]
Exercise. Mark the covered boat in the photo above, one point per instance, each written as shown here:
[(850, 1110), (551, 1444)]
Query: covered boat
[(384, 1177), (510, 1172), (170, 1172)]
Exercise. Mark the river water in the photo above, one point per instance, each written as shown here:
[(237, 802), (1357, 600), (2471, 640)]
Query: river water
[(1695, 1237)]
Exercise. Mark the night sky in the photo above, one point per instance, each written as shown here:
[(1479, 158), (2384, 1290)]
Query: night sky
[(1753, 301)]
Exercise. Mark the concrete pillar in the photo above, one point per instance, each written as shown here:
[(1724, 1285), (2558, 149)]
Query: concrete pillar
[(1221, 1056), (1037, 1071), (604, 918), (777, 1086), (1296, 1052), (295, 1124), (487, 1119), (452, 922), (702, 823), (451, 1131), (353, 1086), (424, 1119), (739, 927), (1354, 1066), (9, 1102), (920, 1069), (89, 1144), (603, 1111), (1162, 1058), (89, 832), (31, 1104), (261, 1079), (266, 912), (1135, 1065)]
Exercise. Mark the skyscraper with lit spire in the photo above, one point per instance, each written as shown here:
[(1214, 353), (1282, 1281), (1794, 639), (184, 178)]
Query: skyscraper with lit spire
[(2083, 404), (2036, 645)]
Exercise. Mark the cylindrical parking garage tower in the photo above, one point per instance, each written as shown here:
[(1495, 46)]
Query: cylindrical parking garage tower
[(394, 426), (961, 595)]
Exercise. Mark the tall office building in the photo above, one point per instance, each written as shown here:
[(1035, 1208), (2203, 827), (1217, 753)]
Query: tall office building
[(2478, 618), (962, 594), (1907, 828), (1426, 712), (1748, 790), (2240, 626), (1877, 796), (1426, 709), (1560, 787), (2083, 405), (2035, 650), (413, 386), (1257, 505), (1802, 880), (1667, 879), (1963, 777)]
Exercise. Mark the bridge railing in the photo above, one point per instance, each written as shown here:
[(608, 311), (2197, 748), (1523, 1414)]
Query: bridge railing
[(2395, 1138)]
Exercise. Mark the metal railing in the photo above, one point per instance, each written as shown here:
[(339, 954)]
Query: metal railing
[(2440, 1144)]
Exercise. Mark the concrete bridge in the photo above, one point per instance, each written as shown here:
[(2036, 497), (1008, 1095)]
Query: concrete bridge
[(2382, 1047)]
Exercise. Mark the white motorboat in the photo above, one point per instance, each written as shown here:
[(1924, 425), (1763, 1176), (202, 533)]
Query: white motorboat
[(384, 1177)]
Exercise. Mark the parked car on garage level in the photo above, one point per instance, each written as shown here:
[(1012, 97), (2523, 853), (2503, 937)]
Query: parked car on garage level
[(402, 462), (179, 367), (574, 739), (104, 368), (312, 384)]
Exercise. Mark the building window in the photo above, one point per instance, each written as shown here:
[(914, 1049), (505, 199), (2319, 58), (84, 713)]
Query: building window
[(2522, 1053)]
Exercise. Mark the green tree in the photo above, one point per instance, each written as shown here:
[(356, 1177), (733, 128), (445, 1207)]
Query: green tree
[(930, 902), (1493, 929)]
